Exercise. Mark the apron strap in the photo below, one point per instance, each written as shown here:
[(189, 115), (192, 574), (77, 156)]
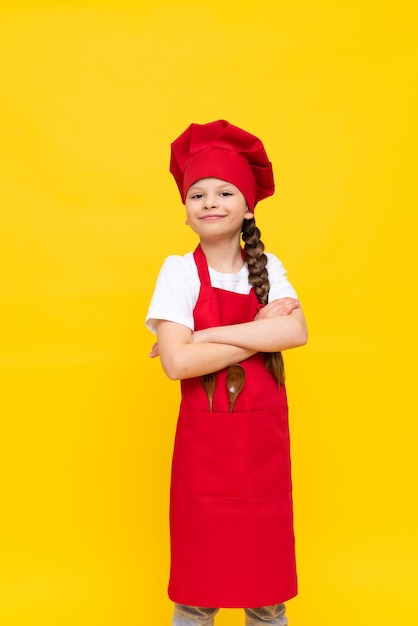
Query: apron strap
[(202, 267)]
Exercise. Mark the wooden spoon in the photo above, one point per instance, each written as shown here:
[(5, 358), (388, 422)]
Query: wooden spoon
[(235, 379)]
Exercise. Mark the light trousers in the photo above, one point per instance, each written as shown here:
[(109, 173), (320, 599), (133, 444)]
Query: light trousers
[(201, 616)]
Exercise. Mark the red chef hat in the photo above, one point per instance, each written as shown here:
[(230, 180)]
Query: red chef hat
[(224, 151)]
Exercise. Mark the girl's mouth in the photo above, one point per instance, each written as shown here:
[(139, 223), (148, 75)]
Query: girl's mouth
[(210, 218)]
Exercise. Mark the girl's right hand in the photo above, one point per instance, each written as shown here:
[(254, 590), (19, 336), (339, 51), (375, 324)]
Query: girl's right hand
[(281, 306)]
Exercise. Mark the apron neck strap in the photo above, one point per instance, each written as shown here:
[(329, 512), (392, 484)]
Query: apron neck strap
[(202, 266)]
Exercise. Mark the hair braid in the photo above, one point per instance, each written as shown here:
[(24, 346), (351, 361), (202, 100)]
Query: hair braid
[(258, 278)]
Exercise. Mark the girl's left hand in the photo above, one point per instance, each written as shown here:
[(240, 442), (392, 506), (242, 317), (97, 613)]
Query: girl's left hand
[(281, 306), (154, 351)]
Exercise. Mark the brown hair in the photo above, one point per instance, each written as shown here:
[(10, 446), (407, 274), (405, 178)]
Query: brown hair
[(258, 278)]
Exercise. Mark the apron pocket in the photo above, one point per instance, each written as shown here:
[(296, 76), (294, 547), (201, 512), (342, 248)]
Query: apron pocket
[(238, 455)]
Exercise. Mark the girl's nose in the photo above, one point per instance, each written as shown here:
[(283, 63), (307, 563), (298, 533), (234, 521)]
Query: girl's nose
[(210, 202)]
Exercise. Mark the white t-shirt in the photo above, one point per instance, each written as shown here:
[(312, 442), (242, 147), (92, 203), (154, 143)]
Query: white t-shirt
[(178, 285)]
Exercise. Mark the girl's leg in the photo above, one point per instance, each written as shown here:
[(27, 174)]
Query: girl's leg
[(274, 615), (193, 615)]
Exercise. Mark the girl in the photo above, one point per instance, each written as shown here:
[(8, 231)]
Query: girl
[(222, 315)]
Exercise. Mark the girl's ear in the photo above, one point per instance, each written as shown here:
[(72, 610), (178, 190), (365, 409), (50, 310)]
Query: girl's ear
[(249, 215)]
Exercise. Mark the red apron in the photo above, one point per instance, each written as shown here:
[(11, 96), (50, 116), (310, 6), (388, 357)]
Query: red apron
[(231, 520)]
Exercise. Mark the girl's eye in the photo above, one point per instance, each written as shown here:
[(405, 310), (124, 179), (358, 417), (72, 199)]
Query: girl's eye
[(197, 196), (226, 193)]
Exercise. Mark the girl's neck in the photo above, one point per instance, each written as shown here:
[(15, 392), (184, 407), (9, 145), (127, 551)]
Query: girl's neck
[(224, 257)]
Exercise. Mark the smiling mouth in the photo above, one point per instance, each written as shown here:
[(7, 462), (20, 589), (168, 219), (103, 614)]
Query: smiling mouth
[(211, 217)]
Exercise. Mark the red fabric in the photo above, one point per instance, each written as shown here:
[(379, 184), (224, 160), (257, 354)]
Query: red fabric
[(221, 150), (232, 541)]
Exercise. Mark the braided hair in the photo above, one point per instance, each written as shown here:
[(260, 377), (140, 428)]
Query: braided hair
[(258, 278)]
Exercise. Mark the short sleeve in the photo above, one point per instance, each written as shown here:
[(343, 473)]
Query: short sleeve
[(175, 293), (280, 287)]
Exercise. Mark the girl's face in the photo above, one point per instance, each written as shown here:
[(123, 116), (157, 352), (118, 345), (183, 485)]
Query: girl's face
[(215, 208)]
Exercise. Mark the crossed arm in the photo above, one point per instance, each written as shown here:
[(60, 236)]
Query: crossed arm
[(280, 325)]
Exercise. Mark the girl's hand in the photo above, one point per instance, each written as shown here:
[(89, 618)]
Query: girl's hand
[(282, 306), (154, 351)]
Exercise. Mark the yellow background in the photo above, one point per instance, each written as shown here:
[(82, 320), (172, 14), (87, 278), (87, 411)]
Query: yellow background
[(92, 93)]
